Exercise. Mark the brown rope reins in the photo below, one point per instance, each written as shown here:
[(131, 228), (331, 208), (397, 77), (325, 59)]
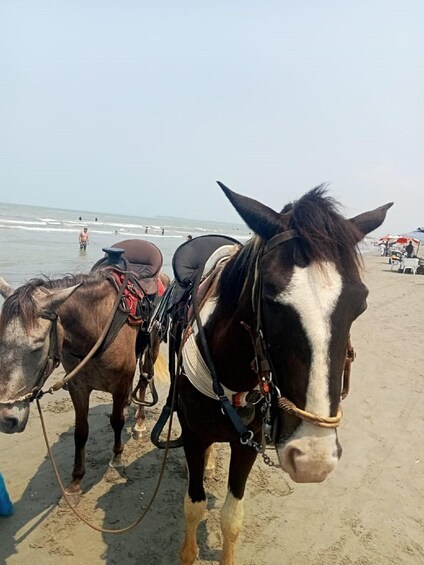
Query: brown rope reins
[(60, 384)]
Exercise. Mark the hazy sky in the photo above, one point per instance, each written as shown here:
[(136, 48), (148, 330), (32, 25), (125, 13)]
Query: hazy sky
[(137, 107)]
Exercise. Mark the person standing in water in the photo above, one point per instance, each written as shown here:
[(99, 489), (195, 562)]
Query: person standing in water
[(83, 239)]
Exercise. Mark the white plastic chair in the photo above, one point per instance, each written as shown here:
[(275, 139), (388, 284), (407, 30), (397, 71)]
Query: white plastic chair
[(395, 264), (410, 263)]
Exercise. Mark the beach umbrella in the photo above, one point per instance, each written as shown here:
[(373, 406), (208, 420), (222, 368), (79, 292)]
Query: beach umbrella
[(402, 239), (388, 237), (418, 236), (407, 238)]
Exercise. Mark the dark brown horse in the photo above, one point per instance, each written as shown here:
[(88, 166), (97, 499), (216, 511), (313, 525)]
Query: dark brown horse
[(264, 358), (46, 321)]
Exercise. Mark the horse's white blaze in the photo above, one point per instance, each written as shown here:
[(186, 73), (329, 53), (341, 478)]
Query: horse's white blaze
[(313, 293)]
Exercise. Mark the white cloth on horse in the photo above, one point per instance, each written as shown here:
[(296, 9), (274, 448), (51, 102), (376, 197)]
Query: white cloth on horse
[(200, 377), (223, 252)]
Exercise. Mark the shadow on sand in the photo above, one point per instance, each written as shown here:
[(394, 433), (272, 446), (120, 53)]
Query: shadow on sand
[(52, 534)]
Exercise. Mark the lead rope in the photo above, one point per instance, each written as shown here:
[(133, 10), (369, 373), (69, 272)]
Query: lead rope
[(65, 496), (60, 384)]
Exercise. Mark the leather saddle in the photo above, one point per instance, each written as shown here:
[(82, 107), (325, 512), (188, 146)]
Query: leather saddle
[(140, 257)]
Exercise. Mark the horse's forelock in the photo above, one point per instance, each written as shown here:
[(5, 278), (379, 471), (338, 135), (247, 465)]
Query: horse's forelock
[(325, 235), (21, 304)]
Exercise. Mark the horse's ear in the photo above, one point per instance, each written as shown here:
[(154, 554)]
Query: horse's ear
[(369, 221), (5, 288), (48, 300), (263, 220)]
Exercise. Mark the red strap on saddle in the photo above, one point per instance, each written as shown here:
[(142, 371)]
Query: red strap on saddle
[(161, 287), (133, 295)]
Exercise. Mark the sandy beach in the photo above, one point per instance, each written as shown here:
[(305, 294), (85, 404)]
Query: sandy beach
[(370, 511)]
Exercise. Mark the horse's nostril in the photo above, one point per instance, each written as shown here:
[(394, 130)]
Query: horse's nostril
[(293, 454), (10, 423)]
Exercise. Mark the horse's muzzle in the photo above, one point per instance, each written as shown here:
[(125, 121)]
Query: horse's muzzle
[(310, 458), (13, 420)]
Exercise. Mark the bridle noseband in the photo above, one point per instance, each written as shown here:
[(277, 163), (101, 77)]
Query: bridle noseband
[(263, 362)]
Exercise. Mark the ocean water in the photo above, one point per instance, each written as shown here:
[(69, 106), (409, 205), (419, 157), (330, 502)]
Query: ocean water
[(36, 240)]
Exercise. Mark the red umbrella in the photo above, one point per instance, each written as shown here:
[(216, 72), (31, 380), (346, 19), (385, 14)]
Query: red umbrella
[(388, 238), (406, 239), (402, 239)]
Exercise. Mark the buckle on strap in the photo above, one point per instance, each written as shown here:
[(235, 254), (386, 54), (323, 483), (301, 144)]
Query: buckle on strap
[(246, 438)]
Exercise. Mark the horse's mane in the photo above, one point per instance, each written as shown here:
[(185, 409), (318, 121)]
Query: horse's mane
[(21, 303), (324, 235)]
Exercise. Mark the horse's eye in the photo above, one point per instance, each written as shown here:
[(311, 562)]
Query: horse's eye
[(37, 347)]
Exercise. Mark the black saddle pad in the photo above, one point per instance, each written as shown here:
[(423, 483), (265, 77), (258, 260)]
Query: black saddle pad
[(192, 255)]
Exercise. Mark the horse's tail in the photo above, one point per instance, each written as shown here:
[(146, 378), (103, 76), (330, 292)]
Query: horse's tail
[(161, 368)]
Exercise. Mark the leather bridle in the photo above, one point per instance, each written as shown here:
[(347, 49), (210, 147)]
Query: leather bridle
[(53, 355), (263, 361), (52, 362)]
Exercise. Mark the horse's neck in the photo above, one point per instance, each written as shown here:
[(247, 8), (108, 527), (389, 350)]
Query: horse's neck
[(229, 337), (84, 314)]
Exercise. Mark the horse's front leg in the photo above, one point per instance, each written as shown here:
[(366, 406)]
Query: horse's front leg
[(241, 462), (195, 499), (80, 397), (117, 421)]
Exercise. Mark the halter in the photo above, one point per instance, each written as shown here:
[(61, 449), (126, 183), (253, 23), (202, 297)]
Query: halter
[(262, 359), (52, 362), (53, 354)]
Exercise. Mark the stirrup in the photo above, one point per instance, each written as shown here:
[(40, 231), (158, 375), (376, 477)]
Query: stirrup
[(157, 430)]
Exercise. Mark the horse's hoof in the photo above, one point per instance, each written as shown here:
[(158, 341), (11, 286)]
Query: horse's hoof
[(116, 463), (115, 474), (72, 499), (188, 554), (139, 432)]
